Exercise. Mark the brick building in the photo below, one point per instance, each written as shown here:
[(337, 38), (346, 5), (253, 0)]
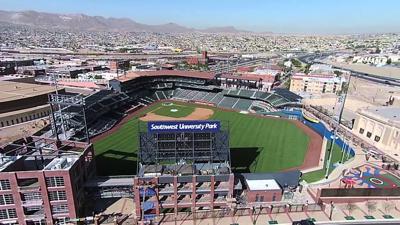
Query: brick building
[(41, 180)]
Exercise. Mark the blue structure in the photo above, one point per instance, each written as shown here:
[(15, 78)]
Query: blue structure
[(317, 127)]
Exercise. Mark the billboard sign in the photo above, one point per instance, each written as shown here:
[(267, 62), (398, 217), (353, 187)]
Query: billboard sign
[(183, 126)]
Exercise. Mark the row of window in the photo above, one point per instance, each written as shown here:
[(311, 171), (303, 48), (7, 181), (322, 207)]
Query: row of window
[(7, 199), (59, 208), (55, 182), (57, 195), (50, 182), (24, 119), (369, 135)]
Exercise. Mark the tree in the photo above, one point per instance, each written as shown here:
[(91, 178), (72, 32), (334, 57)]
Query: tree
[(388, 206), (307, 68), (351, 207), (296, 63), (338, 73), (371, 206)]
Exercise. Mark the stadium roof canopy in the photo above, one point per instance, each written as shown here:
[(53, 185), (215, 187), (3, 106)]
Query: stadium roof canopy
[(177, 73)]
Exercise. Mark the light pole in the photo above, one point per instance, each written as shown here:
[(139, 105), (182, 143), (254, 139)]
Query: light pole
[(328, 162), (343, 148), (334, 136)]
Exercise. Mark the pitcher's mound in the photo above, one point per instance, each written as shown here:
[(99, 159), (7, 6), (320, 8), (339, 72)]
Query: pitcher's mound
[(197, 114)]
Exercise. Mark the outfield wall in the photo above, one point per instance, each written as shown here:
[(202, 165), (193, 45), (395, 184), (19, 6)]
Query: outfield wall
[(320, 128)]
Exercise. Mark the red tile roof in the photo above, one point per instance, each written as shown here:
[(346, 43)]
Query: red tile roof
[(252, 77), (177, 73)]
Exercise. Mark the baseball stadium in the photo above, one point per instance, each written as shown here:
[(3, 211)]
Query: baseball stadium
[(262, 138), (179, 142)]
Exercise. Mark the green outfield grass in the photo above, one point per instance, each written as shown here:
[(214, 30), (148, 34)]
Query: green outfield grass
[(168, 110), (257, 144)]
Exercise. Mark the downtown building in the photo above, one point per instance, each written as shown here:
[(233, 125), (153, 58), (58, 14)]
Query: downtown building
[(315, 83), (42, 180), (380, 126)]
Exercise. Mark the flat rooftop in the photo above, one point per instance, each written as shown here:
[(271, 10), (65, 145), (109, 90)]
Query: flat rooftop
[(10, 91), (262, 185), (387, 114), (39, 154)]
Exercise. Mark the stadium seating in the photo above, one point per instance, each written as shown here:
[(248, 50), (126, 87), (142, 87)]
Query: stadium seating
[(228, 102), (246, 93), (160, 95), (200, 95), (243, 104), (217, 98), (209, 96)]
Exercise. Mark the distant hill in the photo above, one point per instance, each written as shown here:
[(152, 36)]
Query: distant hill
[(98, 23)]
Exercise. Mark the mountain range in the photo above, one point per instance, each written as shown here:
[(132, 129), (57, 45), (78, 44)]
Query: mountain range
[(84, 22)]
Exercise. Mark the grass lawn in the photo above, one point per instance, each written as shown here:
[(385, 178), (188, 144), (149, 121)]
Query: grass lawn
[(320, 174), (168, 110), (257, 144)]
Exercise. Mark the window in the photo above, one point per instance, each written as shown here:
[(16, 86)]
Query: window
[(369, 134), (41, 222), (59, 208), (377, 138), (257, 197), (8, 214), (33, 196), (361, 131), (55, 182), (57, 195), (62, 221), (6, 199), (5, 185)]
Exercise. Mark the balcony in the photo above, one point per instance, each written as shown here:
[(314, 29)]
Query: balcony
[(35, 202), (34, 215), (25, 185)]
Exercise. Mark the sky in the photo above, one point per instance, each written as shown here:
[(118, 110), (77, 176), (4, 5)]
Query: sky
[(278, 16)]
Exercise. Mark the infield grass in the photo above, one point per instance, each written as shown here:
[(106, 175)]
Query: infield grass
[(168, 110), (257, 144)]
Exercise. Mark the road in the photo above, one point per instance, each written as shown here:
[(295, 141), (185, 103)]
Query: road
[(315, 58)]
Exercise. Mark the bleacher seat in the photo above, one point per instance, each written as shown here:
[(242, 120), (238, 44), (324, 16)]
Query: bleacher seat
[(243, 104), (228, 102)]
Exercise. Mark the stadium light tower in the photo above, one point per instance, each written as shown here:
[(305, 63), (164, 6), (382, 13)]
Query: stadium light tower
[(54, 78), (335, 131)]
